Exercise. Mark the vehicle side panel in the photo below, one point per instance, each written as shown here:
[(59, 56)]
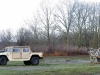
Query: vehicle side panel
[(16, 54), (25, 53)]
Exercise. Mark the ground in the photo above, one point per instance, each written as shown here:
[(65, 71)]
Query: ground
[(55, 65)]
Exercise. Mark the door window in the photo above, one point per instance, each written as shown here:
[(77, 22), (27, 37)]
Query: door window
[(25, 50), (16, 50)]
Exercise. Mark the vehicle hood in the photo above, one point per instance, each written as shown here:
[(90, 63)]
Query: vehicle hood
[(1, 51)]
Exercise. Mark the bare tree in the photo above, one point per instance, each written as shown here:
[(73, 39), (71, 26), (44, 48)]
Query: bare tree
[(64, 17), (72, 22), (23, 37), (6, 37), (47, 19), (98, 23), (93, 21), (34, 28), (80, 21)]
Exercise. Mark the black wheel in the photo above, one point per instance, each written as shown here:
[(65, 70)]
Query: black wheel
[(34, 61), (3, 60), (98, 59), (27, 62)]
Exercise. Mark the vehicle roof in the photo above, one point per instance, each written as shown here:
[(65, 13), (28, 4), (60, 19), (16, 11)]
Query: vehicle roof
[(19, 46)]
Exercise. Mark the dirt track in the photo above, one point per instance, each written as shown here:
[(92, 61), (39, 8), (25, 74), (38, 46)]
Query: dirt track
[(66, 61), (46, 63)]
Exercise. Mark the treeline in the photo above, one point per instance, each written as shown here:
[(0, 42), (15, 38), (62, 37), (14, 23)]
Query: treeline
[(69, 27)]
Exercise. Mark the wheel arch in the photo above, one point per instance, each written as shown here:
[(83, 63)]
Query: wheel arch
[(5, 56), (35, 56)]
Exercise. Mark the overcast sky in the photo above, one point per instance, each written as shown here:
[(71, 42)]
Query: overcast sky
[(14, 12)]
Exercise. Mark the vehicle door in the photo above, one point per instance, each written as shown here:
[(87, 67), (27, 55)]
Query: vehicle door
[(16, 54), (25, 53)]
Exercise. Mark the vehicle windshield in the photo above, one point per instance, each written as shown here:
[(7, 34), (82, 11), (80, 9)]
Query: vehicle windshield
[(8, 50)]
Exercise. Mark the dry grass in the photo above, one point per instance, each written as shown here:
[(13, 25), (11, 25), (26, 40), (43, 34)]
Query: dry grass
[(60, 50)]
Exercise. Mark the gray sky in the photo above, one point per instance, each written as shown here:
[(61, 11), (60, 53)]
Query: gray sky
[(14, 12)]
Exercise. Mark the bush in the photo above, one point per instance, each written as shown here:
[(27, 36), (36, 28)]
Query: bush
[(59, 50)]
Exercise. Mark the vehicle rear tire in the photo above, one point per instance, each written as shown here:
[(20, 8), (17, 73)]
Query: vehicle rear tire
[(27, 62), (3, 60), (34, 61)]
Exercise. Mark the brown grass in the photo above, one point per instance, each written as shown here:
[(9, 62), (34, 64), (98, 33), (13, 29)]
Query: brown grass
[(60, 50)]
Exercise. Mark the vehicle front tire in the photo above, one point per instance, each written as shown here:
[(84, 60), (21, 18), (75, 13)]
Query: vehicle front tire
[(34, 61), (3, 60), (27, 62)]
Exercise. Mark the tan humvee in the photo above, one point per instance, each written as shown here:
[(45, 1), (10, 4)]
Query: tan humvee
[(20, 53)]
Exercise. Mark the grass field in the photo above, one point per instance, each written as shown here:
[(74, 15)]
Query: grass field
[(62, 65)]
